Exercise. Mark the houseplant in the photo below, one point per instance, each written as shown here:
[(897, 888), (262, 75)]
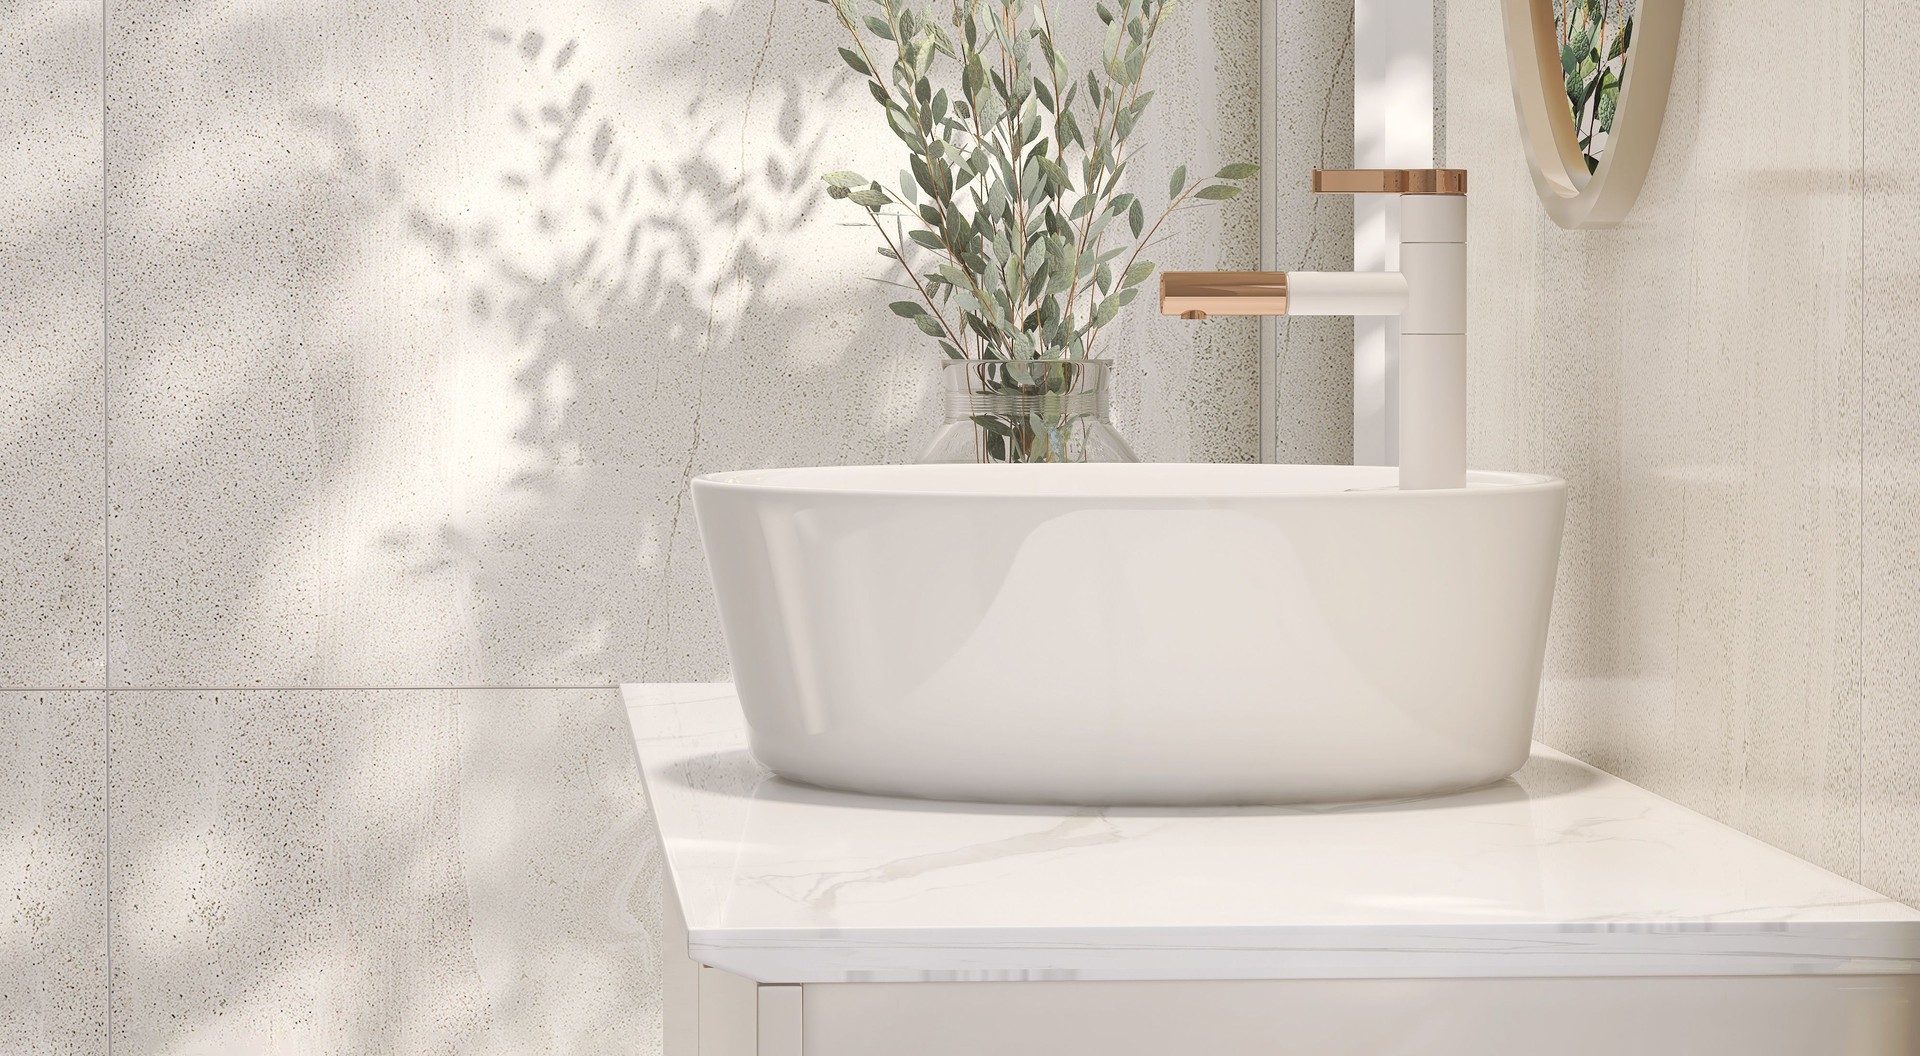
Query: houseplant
[(1007, 221)]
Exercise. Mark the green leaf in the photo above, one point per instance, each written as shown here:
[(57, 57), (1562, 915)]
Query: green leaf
[(1136, 218), (927, 239), (1070, 128), (1137, 273), (871, 197), (844, 179), (1622, 40), (903, 126), (908, 309), (1219, 192), (973, 77), (929, 325), (1055, 174), (1178, 181), (879, 28), (854, 60), (1236, 171)]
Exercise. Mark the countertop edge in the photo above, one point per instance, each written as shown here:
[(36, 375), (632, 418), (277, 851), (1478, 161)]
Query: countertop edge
[(1612, 949)]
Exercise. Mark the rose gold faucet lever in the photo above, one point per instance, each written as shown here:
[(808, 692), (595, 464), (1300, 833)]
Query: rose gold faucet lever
[(1389, 181)]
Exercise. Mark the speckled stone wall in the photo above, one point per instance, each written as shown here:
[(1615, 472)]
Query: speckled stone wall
[(1727, 382), (356, 356)]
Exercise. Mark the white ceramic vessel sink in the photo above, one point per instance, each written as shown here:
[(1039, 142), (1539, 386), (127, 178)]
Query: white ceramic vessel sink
[(1134, 634)]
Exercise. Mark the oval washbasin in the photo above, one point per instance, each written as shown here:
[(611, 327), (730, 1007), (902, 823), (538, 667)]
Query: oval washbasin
[(1133, 634)]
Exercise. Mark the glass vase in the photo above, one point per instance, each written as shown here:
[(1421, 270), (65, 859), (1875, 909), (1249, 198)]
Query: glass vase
[(1017, 411)]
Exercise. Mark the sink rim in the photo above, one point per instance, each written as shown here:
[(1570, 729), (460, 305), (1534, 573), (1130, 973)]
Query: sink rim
[(1114, 481)]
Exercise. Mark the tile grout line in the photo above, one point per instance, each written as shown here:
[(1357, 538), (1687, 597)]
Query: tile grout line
[(106, 565), (307, 689)]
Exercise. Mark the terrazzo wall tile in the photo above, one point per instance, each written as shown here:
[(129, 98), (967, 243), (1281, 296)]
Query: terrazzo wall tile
[(53, 896), (429, 313), (52, 526), (1694, 374), (1890, 721), (380, 871), (1311, 76)]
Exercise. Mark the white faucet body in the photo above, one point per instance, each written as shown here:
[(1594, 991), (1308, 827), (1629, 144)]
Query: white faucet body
[(1433, 342)]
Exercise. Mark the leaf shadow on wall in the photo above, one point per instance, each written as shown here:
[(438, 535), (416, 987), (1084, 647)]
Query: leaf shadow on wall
[(658, 331)]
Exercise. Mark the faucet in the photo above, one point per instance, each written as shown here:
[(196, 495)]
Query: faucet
[(1428, 293)]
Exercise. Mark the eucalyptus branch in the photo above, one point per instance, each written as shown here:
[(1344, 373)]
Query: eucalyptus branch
[(932, 308), (1015, 209)]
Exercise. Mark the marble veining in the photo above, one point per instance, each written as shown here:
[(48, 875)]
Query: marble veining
[(1561, 870)]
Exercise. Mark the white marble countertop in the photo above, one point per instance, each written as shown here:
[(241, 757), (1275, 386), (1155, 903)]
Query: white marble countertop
[(1562, 871)]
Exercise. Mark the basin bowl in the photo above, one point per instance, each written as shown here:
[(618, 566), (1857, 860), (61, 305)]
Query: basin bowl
[(1147, 634)]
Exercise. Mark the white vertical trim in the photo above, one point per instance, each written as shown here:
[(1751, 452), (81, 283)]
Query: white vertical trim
[(780, 1009), (680, 981), (1392, 128), (729, 1014)]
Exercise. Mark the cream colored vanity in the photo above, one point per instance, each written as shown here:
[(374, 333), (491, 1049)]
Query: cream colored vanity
[(1561, 911)]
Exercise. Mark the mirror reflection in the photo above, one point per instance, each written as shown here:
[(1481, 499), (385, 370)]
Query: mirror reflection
[(1594, 38)]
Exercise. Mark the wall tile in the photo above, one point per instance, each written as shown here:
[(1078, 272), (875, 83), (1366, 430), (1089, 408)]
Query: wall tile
[(1890, 722), (1311, 75), (52, 531), (53, 895), (428, 318), (380, 871), (1694, 374)]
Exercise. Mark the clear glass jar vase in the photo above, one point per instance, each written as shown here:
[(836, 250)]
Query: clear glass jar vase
[(1016, 411)]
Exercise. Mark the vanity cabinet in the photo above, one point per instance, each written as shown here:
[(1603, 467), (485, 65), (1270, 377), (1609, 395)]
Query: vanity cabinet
[(1563, 911)]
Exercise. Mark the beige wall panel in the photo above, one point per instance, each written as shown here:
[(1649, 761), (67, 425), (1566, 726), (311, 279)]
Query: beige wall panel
[(53, 892), (380, 871), (1890, 722), (52, 371), (1695, 374)]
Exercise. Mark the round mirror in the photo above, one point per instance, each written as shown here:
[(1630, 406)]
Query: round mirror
[(1590, 82)]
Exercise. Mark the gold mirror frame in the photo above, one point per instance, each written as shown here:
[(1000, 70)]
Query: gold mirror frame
[(1574, 197)]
